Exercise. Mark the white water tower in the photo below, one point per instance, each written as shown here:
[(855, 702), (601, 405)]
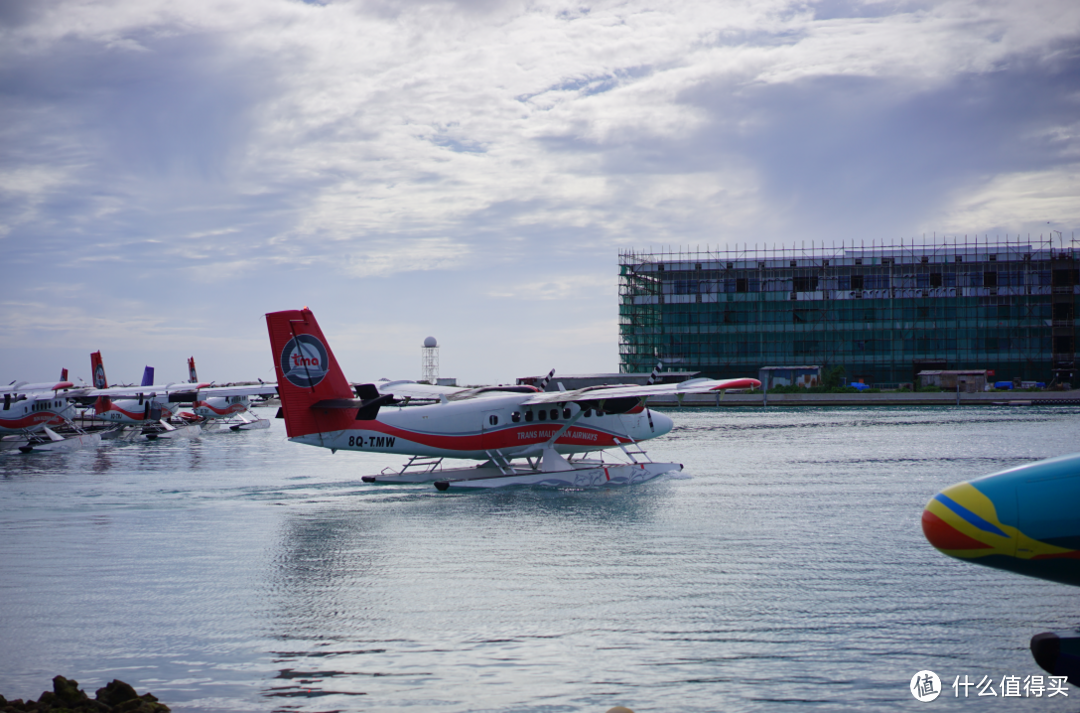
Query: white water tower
[(429, 364)]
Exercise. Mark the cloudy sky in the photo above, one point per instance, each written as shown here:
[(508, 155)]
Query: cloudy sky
[(469, 169)]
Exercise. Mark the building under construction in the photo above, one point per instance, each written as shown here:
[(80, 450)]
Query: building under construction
[(883, 312)]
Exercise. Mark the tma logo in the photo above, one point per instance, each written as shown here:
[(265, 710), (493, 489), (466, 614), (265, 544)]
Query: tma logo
[(99, 377), (304, 362)]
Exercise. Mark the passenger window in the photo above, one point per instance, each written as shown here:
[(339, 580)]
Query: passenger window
[(588, 413), (599, 413), (541, 414), (515, 416), (528, 415), (566, 413), (493, 420), (554, 414)]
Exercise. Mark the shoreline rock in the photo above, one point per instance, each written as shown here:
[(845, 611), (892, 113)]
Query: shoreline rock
[(66, 697)]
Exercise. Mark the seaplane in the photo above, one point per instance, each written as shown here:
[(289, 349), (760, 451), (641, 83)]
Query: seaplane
[(228, 408), (152, 411), (520, 434), (38, 417), (144, 410)]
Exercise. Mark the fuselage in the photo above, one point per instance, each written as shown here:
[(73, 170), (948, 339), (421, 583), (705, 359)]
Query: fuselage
[(130, 411), (222, 406), (34, 413), (475, 427)]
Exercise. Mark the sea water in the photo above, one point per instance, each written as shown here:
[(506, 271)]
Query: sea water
[(784, 569)]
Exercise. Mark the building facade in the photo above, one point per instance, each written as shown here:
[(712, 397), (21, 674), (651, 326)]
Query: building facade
[(884, 313)]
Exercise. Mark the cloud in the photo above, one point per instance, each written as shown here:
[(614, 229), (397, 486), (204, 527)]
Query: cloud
[(477, 160), (389, 257), (23, 190), (558, 287), (1022, 202)]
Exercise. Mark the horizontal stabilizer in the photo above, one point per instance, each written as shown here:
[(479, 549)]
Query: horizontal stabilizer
[(367, 409), (366, 392), (339, 403)]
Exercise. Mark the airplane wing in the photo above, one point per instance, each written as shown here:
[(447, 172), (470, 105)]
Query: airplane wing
[(410, 389), (181, 391), (265, 389), (626, 394), (425, 392), (23, 387), (134, 392), (620, 397)]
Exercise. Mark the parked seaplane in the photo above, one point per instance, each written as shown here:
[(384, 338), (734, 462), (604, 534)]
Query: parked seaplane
[(39, 417), (522, 436), (152, 411), (145, 409), (229, 408)]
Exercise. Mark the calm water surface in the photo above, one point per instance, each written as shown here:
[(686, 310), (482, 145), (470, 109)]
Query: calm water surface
[(787, 572)]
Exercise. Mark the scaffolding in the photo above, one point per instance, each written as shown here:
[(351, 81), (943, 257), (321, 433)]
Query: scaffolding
[(882, 311)]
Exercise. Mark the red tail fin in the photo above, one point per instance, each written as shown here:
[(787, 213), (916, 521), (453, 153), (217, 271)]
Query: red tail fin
[(192, 377), (97, 377), (307, 373), (63, 375), (97, 371)]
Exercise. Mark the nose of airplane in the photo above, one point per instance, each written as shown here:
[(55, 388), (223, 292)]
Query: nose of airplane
[(962, 522), (1022, 519), (662, 424)]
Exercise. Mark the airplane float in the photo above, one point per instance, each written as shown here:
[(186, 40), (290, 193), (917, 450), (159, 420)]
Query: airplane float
[(33, 414), (1025, 520), (551, 432)]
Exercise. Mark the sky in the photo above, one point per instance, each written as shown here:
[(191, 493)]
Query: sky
[(470, 169)]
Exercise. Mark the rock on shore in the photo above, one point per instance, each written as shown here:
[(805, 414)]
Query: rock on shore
[(67, 697)]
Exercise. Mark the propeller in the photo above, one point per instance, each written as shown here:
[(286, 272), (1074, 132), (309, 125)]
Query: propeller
[(544, 382)]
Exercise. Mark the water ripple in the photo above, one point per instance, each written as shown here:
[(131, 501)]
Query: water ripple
[(786, 568)]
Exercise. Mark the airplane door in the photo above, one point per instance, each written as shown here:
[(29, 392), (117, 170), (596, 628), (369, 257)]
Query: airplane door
[(491, 423)]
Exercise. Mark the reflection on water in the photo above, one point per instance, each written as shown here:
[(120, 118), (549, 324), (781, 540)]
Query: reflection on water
[(242, 572)]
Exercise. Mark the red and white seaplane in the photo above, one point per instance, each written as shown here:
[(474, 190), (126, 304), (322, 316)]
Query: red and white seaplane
[(33, 414), (152, 411), (228, 408), (144, 410), (523, 436)]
